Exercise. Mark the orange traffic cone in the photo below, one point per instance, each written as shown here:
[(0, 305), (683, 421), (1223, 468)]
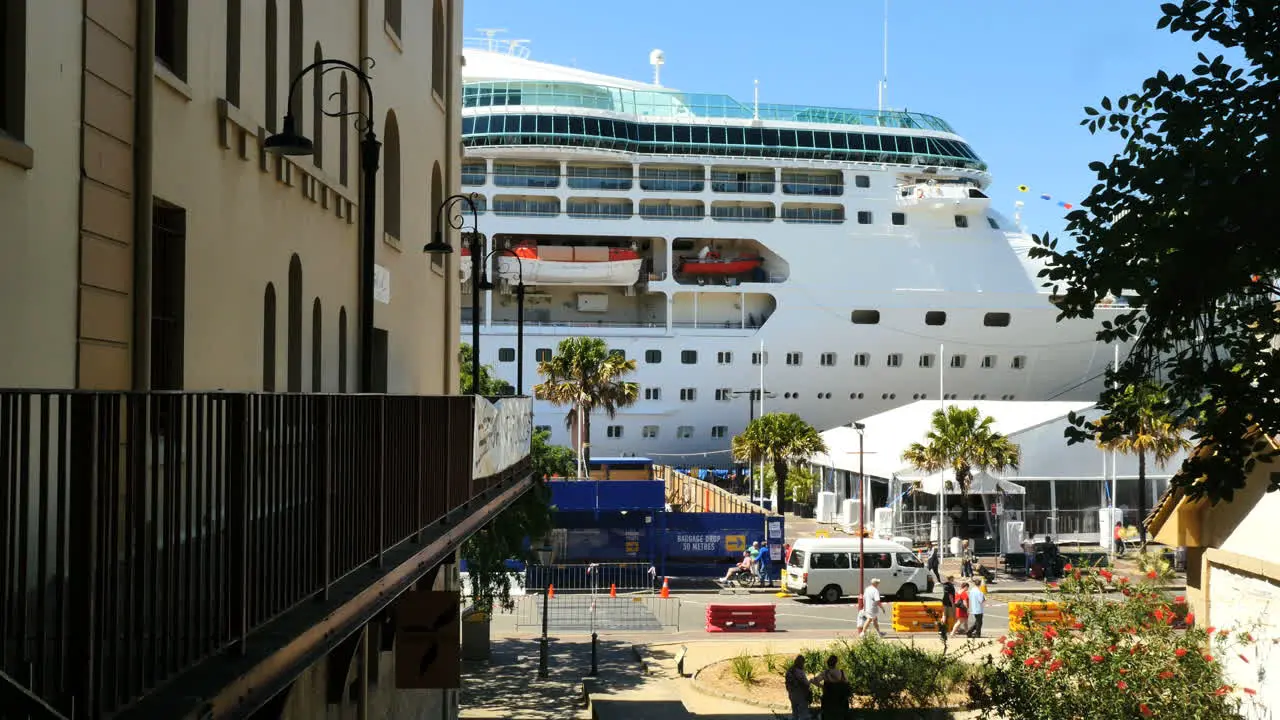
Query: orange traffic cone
[(666, 589), (551, 591), (613, 590)]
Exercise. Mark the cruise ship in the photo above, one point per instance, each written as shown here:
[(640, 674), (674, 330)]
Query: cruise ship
[(846, 261)]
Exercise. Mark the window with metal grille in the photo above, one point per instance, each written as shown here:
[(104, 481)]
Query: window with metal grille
[(168, 294)]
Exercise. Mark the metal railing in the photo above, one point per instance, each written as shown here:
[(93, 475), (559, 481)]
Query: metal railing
[(141, 533), (596, 598), (686, 493)]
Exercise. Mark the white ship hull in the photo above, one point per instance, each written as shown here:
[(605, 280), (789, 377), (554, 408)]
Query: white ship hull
[(873, 292)]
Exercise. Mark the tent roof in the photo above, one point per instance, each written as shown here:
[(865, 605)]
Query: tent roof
[(890, 433), (983, 483)]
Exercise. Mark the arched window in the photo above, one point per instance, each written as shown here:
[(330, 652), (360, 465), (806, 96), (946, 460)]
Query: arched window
[(342, 349), (272, 82), (295, 58), (269, 339), (317, 348), (391, 178), (439, 56), (234, 27), (317, 112), (437, 197), (344, 150), (294, 381)]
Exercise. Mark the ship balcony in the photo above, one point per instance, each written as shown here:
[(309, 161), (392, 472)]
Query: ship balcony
[(953, 197)]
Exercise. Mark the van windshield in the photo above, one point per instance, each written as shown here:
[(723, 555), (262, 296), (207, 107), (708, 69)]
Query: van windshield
[(797, 558)]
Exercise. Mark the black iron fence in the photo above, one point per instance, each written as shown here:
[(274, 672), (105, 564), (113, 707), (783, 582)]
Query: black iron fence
[(596, 598), (142, 533)]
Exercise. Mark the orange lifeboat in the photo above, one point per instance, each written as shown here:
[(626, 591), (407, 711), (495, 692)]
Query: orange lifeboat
[(570, 265)]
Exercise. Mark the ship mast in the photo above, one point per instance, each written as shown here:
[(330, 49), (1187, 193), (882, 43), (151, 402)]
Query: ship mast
[(884, 78)]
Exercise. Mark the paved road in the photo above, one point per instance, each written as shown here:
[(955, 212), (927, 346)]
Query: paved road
[(652, 619)]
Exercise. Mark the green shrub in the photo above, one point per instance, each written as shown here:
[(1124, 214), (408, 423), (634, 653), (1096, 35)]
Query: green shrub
[(773, 662), (744, 668), (900, 675)]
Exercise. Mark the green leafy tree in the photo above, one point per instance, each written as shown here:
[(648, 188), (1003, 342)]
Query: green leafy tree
[(780, 438), (800, 484), (490, 386), (585, 376), (1180, 223), (963, 440), (1141, 423)]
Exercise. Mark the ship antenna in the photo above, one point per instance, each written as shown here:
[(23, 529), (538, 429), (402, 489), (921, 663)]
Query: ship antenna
[(755, 110), (488, 35), (657, 58), (884, 80)]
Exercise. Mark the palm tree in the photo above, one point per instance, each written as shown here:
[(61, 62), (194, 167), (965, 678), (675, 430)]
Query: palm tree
[(962, 440), (1142, 423), (783, 438), (585, 375)]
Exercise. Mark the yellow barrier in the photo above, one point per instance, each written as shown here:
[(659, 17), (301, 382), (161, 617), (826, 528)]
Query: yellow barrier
[(1039, 613), (917, 616)]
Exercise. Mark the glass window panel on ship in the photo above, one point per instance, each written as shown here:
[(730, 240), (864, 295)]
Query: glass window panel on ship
[(649, 138)]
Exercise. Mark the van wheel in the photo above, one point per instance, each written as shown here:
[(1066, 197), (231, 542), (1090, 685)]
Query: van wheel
[(830, 593), (907, 592)]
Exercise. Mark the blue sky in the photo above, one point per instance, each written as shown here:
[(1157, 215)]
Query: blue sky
[(1010, 75)]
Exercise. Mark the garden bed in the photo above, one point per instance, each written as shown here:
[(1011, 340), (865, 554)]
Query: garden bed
[(887, 676)]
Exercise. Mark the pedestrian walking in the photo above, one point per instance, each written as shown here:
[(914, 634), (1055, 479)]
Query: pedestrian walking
[(934, 562), (961, 624), (798, 689), (871, 608), (948, 604), (977, 599), (1119, 538), (966, 559)]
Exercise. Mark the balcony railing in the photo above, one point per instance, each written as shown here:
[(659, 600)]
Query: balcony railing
[(143, 533)]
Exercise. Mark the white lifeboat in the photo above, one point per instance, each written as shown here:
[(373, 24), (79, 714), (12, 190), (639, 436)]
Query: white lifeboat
[(946, 196), (565, 265)]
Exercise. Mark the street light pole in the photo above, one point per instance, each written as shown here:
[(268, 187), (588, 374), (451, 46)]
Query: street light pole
[(451, 211), (291, 142)]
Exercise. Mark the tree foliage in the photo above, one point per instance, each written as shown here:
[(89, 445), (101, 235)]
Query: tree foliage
[(1141, 422), (490, 386), (782, 438), (585, 376), (1181, 223), (963, 440)]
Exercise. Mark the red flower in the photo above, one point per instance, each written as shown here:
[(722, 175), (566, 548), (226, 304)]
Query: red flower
[(1180, 652), (1112, 648), (1031, 662), (1124, 581), (1067, 567), (1007, 652), (1222, 690), (1123, 671), (1122, 685), (1166, 675), (1105, 574), (1097, 658), (1145, 710), (1208, 657), (1209, 629), (1002, 639), (1191, 618), (1151, 575), (1180, 598)]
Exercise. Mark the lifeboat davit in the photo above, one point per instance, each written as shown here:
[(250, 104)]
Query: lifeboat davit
[(713, 264), (566, 265)]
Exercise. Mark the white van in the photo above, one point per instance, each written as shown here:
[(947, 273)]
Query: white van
[(827, 569)]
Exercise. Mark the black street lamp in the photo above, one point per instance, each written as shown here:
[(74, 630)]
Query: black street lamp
[(484, 284), (291, 142), (475, 245)]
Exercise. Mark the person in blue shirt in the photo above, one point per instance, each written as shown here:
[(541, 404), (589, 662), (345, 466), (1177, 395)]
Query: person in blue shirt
[(976, 600), (762, 564)]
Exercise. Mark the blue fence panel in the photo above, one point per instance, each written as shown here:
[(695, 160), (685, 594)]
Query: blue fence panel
[(707, 543), (575, 495)]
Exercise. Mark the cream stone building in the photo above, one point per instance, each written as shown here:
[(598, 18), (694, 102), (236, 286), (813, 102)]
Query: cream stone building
[(147, 239)]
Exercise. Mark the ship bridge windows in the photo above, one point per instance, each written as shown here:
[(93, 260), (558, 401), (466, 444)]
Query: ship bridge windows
[(865, 217), (473, 172), (599, 207), (742, 180), (526, 174), (996, 319), (652, 357), (865, 317), (935, 317), (812, 213), (531, 205), (926, 360), (827, 184), (598, 177), (743, 211), (689, 178), (665, 209), (893, 360)]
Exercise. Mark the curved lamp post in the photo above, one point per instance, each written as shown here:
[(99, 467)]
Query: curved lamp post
[(291, 142), (451, 211), (484, 284)]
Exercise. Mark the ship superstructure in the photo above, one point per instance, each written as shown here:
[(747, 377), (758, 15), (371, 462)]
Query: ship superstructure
[(848, 260)]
